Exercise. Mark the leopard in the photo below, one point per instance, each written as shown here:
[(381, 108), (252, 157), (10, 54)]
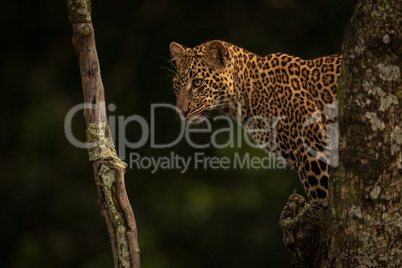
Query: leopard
[(286, 104)]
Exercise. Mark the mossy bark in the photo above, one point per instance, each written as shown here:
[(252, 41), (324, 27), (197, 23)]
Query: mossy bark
[(79, 10), (108, 168), (366, 197), (362, 225)]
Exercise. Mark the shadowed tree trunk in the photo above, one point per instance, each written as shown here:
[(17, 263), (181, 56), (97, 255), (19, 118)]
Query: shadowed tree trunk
[(108, 168), (362, 225)]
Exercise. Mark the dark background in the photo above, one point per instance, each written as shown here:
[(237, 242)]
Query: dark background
[(203, 218)]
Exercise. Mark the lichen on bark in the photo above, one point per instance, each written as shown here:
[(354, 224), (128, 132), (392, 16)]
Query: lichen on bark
[(108, 168), (100, 143), (79, 10), (365, 201), (301, 225), (367, 232), (107, 182)]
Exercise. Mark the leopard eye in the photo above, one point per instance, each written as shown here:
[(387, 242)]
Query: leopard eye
[(197, 82)]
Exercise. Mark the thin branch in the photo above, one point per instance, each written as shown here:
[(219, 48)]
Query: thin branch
[(108, 168)]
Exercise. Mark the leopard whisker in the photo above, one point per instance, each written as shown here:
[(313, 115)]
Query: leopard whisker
[(167, 68), (170, 62)]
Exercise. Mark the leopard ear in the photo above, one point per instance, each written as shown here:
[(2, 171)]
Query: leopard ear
[(178, 51), (217, 55)]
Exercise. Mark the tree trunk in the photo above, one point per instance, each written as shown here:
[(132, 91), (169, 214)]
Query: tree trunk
[(108, 168), (362, 226)]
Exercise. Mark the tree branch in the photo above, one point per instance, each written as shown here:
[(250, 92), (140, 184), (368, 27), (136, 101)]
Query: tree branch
[(108, 168), (303, 227)]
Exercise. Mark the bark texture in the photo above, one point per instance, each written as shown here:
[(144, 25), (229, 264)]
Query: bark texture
[(108, 168), (363, 226), (366, 192), (303, 225)]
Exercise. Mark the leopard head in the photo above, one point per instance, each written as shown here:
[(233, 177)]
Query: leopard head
[(204, 79)]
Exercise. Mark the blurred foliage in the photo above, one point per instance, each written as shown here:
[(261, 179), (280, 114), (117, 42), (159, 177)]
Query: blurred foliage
[(203, 218)]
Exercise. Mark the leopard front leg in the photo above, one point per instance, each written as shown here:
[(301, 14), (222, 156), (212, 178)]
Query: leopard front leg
[(313, 167), (314, 175)]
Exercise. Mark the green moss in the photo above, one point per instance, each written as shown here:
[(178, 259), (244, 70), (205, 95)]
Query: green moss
[(100, 147), (100, 144), (79, 10), (86, 30), (106, 180)]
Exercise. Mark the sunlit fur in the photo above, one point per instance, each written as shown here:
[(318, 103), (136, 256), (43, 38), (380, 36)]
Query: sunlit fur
[(286, 97)]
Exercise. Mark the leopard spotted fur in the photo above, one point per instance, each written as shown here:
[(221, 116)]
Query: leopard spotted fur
[(286, 103)]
